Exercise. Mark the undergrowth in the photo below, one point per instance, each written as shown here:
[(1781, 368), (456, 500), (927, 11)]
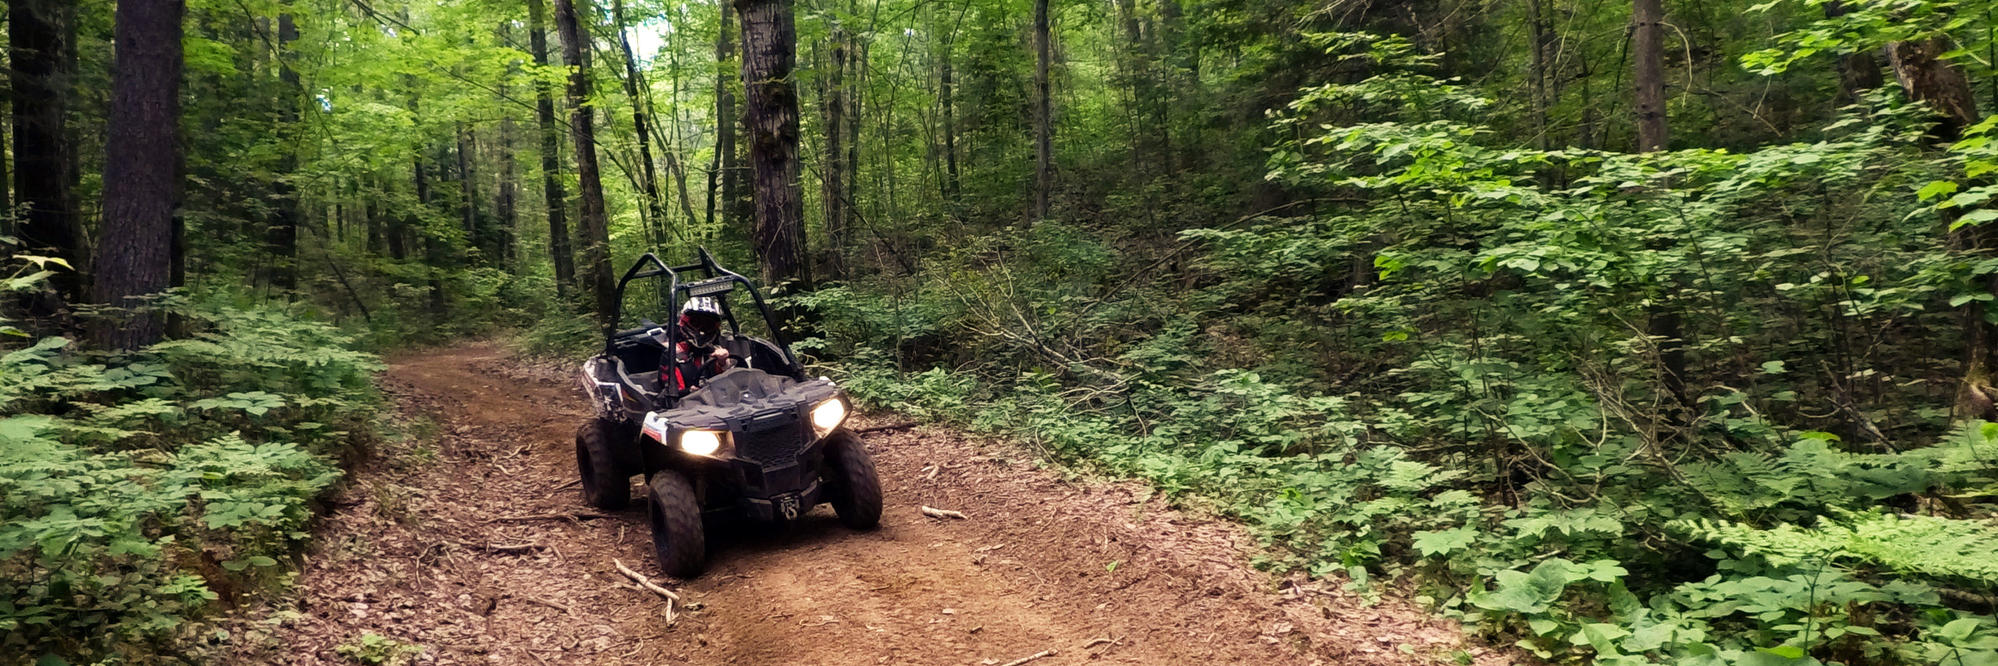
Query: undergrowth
[(1681, 407), (141, 490)]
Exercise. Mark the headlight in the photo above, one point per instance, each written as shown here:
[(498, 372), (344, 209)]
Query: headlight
[(700, 442), (828, 415)]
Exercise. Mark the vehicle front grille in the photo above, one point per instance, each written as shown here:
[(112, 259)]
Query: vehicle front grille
[(774, 447)]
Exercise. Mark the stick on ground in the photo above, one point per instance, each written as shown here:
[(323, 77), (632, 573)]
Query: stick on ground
[(934, 512), (647, 583), (1028, 658), (885, 428), (578, 515)]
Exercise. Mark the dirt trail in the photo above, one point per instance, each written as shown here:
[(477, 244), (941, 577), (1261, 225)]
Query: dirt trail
[(427, 551)]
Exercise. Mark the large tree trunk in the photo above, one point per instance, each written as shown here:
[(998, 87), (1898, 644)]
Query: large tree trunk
[(633, 84), (1922, 72), (1925, 76), (769, 52), (593, 224), (1044, 174), (140, 163), (551, 158), (282, 237), (38, 32)]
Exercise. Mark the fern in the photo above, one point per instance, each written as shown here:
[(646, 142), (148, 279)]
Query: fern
[(1926, 546)]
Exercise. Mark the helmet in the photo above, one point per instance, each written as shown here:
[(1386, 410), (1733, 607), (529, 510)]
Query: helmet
[(700, 321)]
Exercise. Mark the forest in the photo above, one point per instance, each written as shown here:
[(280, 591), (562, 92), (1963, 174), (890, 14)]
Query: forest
[(1622, 333)]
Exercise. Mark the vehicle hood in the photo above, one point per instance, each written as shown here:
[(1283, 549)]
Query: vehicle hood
[(733, 399)]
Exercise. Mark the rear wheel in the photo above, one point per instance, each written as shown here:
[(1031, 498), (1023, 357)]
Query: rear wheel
[(605, 484), (856, 491), (678, 539)]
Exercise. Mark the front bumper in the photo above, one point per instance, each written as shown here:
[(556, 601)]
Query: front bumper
[(783, 506)]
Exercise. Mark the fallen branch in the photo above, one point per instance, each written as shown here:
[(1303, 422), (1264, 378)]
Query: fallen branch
[(578, 515), (550, 604), (648, 584), (886, 428), (1093, 642), (1028, 658), (937, 513)]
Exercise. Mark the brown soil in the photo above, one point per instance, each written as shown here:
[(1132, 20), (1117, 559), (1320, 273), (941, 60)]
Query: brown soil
[(425, 549)]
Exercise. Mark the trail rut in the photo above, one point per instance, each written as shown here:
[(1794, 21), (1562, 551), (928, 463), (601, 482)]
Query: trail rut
[(436, 543)]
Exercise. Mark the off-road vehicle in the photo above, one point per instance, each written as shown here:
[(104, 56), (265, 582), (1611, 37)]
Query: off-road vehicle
[(760, 441)]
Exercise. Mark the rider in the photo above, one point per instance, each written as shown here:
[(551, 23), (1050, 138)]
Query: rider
[(699, 353)]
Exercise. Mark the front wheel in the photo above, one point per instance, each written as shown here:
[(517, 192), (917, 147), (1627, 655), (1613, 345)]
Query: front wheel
[(856, 491), (605, 486), (678, 539)]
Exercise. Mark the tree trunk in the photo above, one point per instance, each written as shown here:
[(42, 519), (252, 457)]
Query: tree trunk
[(433, 249), (1922, 73), (282, 236), (1539, 38), (1857, 72), (1648, 21), (140, 163), (1044, 174), (727, 166), (505, 201), (947, 94), (675, 161), (769, 52), (1925, 76), (593, 223), (633, 83), (833, 193), (1665, 323), (40, 70), (551, 158)]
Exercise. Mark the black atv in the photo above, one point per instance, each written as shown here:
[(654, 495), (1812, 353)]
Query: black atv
[(761, 440)]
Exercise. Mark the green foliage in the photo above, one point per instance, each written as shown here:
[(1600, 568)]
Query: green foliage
[(137, 489), (1456, 375)]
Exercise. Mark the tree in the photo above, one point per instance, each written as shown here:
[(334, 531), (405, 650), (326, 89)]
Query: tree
[(724, 170), (282, 236), (1922, 71), (592, 224), (769, 52), (1044, 176), (1647, 31), (1665, 325), (140, 165), (832, 169), (551, 157), (634, 82), (39, 33)]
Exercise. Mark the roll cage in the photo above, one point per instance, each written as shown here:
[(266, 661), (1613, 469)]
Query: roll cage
[(707, 279)]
